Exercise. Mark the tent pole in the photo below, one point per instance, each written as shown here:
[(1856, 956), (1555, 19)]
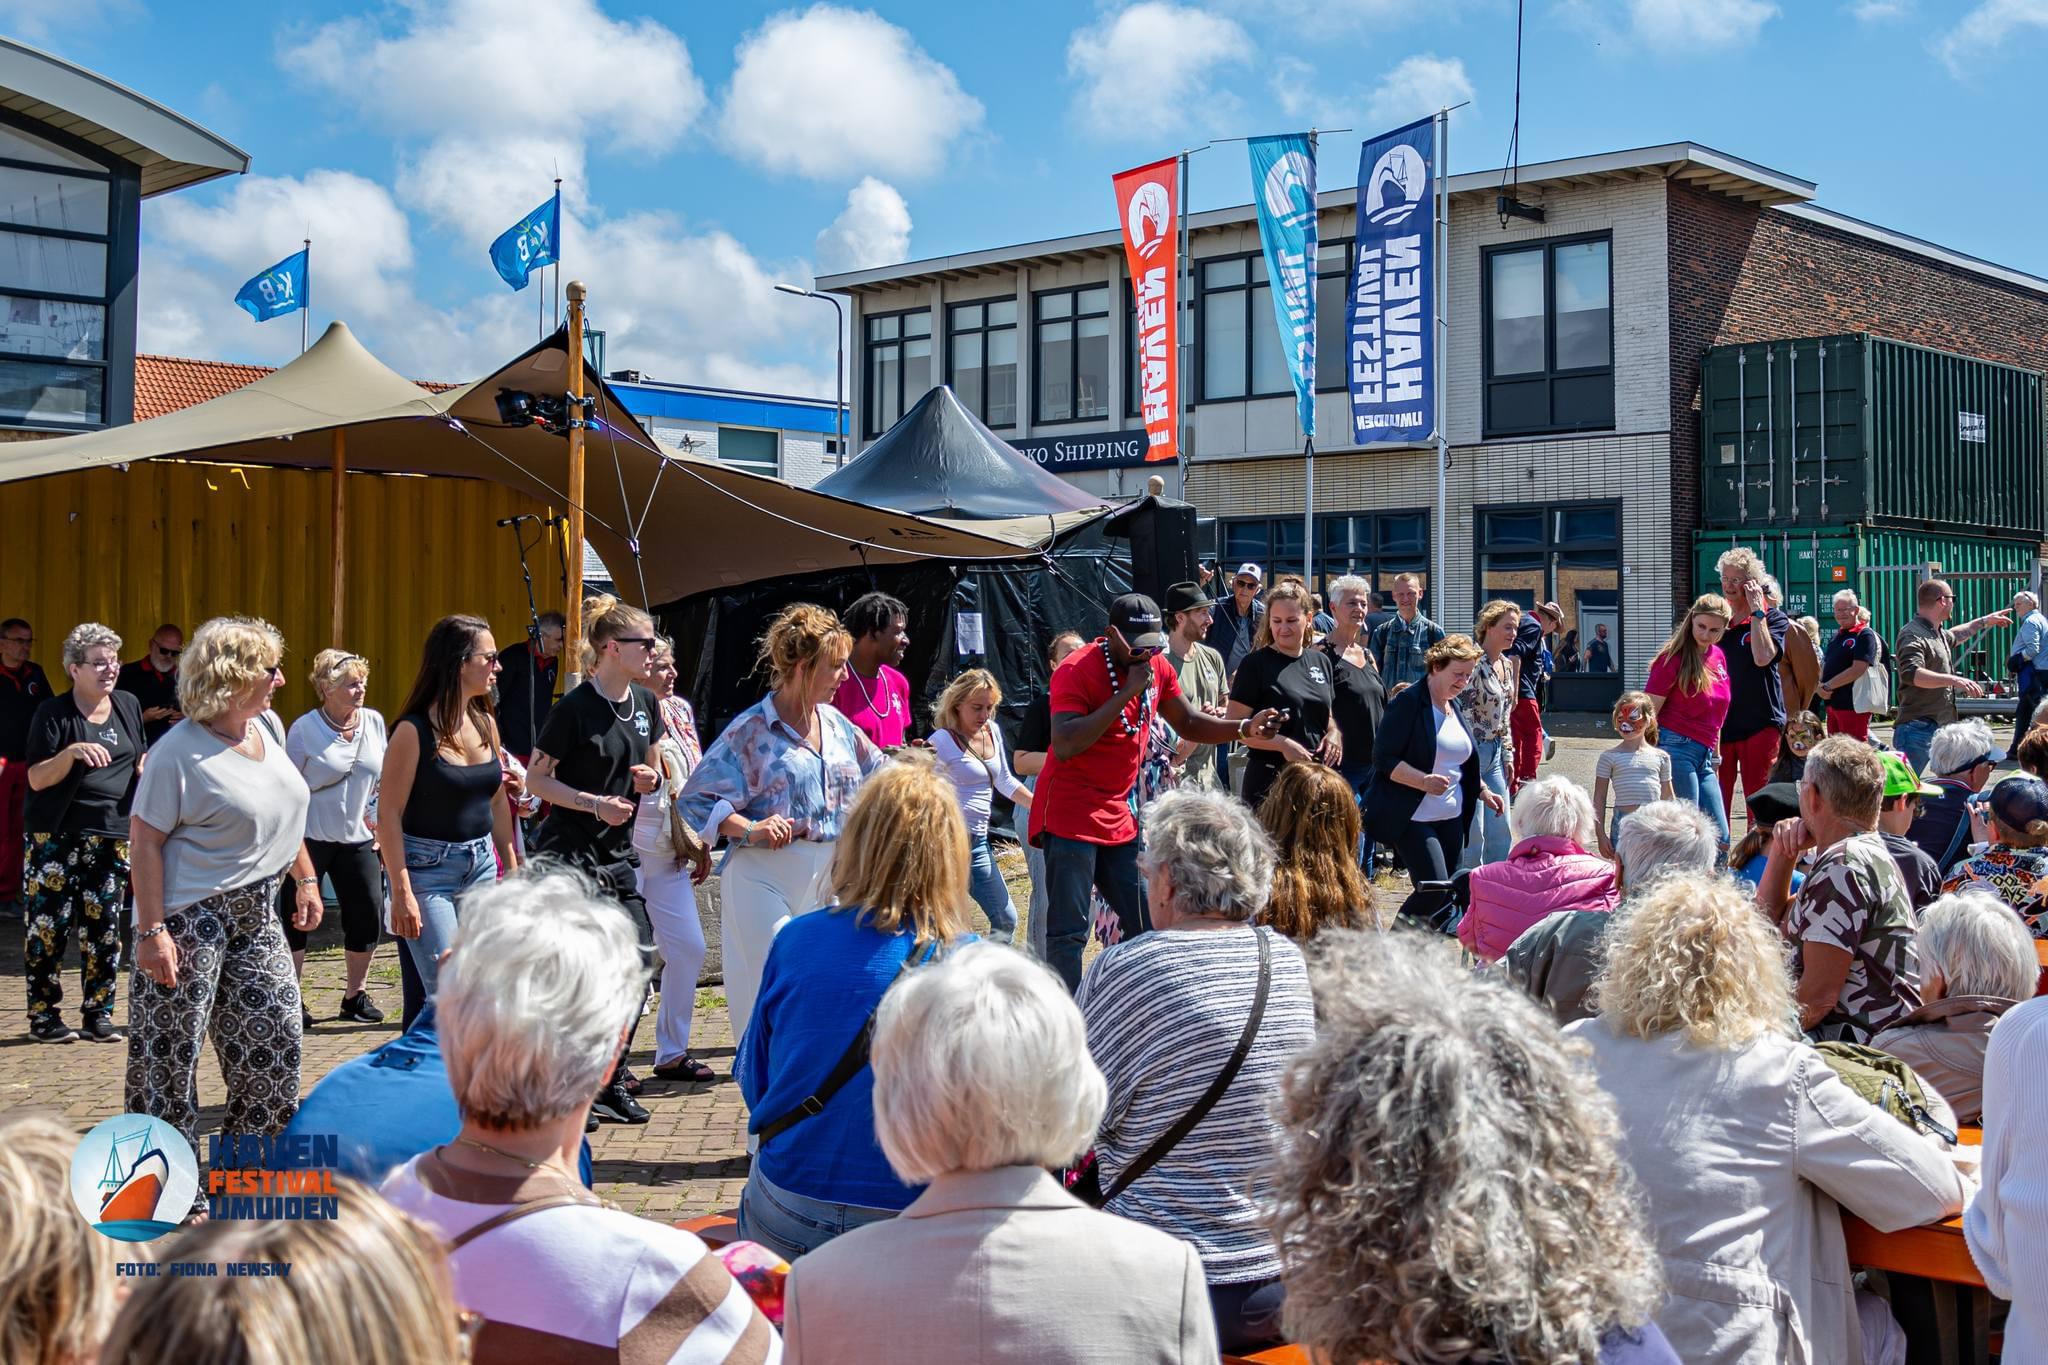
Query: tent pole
[(340, 528), (573, 608)]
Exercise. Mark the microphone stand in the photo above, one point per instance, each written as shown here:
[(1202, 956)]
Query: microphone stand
[(532, 625)]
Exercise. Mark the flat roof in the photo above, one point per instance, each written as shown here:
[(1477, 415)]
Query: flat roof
[(170, 150), (739, 407)]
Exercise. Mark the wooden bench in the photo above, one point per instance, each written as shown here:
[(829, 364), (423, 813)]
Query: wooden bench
[(716, 1229), (1274, 1355)]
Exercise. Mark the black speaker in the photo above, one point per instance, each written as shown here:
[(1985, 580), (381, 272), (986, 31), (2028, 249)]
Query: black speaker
[(1162, 536)]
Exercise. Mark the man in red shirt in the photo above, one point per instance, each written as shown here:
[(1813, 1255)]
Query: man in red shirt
[(22, 689), (1104, 696)]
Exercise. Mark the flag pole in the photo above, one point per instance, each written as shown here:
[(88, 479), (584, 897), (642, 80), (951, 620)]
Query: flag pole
[(558, 254), (1308, 440), (1443, 327), (573, 608), (1181, 329), (306, 299)]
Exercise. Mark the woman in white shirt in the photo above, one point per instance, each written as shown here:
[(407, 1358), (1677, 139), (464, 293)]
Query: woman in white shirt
[(970, 748), (338, 747)]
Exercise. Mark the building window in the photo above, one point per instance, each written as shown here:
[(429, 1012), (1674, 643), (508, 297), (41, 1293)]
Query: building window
[(1134, 383), (1240, 351), (1549, 336), (981, 358), (56, 231), (1374, 545), (751, 449), (897, 365), (1333, 294), (1070, 369), (1568, 553)]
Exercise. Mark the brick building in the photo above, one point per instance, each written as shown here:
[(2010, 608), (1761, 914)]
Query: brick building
[(1572, 373)]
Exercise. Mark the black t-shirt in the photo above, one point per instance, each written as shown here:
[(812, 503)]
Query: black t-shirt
[(150, 689), (526, 696), (20, 694), (1303, 686), (1034, 731), (88, 800), (1361, 699), (1528, 647), (1756, 695), (595, 743), (1923, 879), (1848, 647)]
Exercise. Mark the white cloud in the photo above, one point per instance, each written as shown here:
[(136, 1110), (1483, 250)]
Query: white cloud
[(36, 19), (1293, 82), (1876, 11), (1693, 25), (1151, 69), (482, 185), (832, 93), (483, 66), (873, 229), (1418, 86), (1978, 37)]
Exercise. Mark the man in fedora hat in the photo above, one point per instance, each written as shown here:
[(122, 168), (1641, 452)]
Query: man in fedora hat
[(1202, 678)]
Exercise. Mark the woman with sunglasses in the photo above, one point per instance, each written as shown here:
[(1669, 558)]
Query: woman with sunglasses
[(597, 755), (443, 789)]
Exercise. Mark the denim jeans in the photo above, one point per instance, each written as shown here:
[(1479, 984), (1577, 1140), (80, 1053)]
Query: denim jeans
[(440, 873), (985, 884), (1072, 867), (791, 1224), (1489, 838), (1914, 739), (1693, 777), (1034, 863)]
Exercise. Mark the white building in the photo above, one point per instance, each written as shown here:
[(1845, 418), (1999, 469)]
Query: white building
[(789, 438)]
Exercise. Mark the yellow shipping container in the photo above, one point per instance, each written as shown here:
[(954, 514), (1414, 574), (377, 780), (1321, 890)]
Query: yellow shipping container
[(175, 541)]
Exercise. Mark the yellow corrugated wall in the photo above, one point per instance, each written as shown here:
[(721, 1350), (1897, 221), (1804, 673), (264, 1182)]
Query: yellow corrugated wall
[(171, 541)]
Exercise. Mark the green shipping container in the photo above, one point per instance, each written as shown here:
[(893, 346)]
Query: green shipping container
[(1885, 567), (1861, 430)]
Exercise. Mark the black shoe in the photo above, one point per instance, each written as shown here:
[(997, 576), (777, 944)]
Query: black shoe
[(627, 1081), (684, 1069), (614, 1105), (361, 1008), (590, 1122), (51, 1029), (99, 1029), (305, 1019)]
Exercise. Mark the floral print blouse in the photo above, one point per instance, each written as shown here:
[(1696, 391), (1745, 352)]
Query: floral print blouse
[(1489, 702), (761, 767)]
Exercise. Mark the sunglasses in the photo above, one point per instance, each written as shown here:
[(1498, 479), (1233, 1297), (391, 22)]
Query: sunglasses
[(167, 653), (644, 641), (490, 658)]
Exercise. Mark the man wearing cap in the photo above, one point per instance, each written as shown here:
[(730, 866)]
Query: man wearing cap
[(1903, 795), (1404, 637), (1104, 696), (1927, 682), (2010, 859), (1525, 722), (1960, 761), (1852, 922), (1235, 621), (2030, 669), (1203, 679)]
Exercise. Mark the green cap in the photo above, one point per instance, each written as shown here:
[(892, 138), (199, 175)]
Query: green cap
[(1899, 779)]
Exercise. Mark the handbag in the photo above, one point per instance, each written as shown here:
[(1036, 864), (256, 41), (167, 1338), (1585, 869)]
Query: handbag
[(1084, 1180), (1871, 692)]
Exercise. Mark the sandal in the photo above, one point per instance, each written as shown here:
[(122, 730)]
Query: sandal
[(685, 1068)]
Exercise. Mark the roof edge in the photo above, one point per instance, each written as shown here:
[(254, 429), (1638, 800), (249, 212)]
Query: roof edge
[(1918, 246)]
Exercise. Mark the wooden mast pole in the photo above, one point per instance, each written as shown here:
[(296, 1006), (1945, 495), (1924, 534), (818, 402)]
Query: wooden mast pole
[(573, 608), (337, 615)]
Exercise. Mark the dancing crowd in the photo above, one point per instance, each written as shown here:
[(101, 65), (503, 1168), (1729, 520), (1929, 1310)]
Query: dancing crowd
[(1600, 1089)]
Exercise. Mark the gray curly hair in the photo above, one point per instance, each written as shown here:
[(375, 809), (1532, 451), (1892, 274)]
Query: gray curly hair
[(1448, 1186), (90, 635), (1216, 857)]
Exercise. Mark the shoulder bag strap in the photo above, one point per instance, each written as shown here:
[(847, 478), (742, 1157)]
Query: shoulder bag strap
[(516, 1212), (845, 1069), (1171, 1138)]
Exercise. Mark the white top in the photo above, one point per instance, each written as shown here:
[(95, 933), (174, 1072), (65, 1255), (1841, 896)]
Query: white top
[(977, 778), (1453, 747), (2004, 1226), (1634, 779), (342, 773), (231, 819)]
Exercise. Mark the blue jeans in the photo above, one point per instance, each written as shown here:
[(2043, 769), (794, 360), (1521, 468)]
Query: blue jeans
[(1072, 868), (440, 873), (1489, 840), (985, 884), (1914, 739), (1693, 777), (1034, 863), (1360, 778), (792, 1224)]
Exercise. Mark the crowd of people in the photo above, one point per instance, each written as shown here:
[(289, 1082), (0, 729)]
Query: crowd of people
[(1607, 1108)]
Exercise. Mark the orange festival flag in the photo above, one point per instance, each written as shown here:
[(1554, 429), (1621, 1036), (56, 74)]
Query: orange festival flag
[(1146, 207)]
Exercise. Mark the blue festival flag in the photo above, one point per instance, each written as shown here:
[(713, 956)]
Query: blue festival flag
[(1390, 318), (284, 288), (1284, 188), (531, 244)]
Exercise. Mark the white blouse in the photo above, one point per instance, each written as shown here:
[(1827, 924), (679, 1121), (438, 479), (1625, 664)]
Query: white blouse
[(343, 773), (977, 778)]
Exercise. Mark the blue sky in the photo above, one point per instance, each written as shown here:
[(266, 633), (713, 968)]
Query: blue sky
[(711, 150)]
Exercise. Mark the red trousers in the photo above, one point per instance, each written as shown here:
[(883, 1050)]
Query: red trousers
[(1525, 724), (13, 794), (1855, 724), (1753, 759)]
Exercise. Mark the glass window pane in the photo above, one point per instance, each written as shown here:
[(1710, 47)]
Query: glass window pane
[(1221, 274), (1002, 312), (1517, 323), (918, 324), (21, 146), (1094, 300), (54, 264), (1513, 528), (52, 199), (67, 395), (1054, 369), (1518, 578), (1001, 378), (917, 370), (1404, 535), (1245, 542), (888, 396), (1056, 305), (966, 364), (68, 331), (884, 329), (1255, 268), (1223, 345), (1269, 362), (753, 451), (967, 315), (1591, 598), (1286, 548), (1332, 353), (1582, 524), (1333, 257), (1092, 355), (1582, 311)]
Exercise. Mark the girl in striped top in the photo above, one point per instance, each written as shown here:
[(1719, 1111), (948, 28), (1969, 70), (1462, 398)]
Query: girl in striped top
[(1636, 770)]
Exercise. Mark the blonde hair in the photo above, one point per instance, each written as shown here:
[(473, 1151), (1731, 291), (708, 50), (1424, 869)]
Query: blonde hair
[(225, 658), (1691, 656), (369, 1285), (960, 691), (800, 635), (902, 858), (606, 618), (1490, 616), (1317, 884), (1640, 703), (1286, 590), (1450, 650), (57, 1275), (334, 666), (1692, 954)]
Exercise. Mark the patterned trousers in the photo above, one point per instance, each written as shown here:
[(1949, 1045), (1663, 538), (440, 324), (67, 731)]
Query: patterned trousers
[(235, 981), (72, 879)]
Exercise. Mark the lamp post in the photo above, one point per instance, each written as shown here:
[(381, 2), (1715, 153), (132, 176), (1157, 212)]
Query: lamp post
[(839, 409)]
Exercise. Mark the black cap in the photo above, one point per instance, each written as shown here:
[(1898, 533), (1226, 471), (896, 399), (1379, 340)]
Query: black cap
[(1770, 804), (1186, 597), (1136, 618)]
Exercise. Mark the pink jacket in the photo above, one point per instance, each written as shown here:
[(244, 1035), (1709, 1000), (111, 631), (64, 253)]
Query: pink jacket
[(1542, 875)]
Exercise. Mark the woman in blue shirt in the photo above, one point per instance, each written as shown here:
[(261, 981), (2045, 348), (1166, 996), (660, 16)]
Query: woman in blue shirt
[(900, 872)]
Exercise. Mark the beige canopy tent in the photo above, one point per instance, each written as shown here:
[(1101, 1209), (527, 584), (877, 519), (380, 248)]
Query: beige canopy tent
[(675, 524)]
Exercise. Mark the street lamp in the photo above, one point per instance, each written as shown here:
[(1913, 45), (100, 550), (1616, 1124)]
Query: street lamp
[(839, 410)]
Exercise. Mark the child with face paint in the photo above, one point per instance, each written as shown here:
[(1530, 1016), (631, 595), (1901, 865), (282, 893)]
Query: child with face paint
[(1635, 770)]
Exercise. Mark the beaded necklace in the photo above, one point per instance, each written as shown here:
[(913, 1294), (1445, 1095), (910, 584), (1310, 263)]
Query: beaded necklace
[(1144, 699)]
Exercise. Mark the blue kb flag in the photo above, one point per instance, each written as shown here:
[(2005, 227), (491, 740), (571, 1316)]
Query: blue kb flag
[(1390, 318), (1284, 188), (284, 288), (532, 243)]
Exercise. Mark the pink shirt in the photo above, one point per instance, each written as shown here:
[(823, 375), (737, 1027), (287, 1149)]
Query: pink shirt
[(1695, 715), (879, 708)]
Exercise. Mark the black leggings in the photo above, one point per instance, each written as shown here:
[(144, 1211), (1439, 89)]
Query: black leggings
[(358, 884), (1430, 848)]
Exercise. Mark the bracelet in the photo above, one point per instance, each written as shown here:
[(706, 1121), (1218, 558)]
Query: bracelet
[(1244, 727), (143, 934), (308, 881)]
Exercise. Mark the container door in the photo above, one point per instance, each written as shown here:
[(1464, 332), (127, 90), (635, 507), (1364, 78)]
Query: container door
[(1825, 418)]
